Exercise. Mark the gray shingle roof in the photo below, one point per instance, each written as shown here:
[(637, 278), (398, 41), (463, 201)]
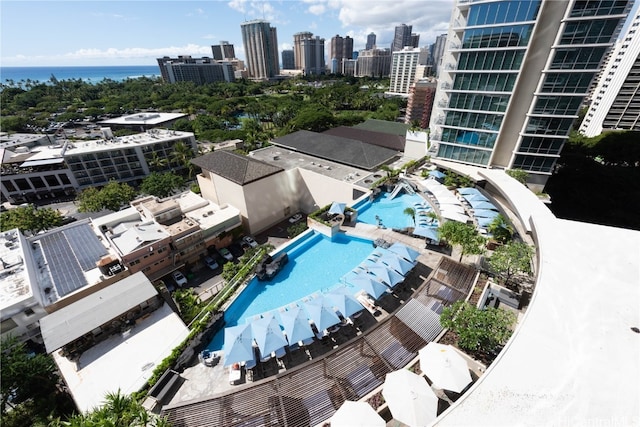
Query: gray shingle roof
[(384, 126), (340, 150), (393, 142), (235, 167)]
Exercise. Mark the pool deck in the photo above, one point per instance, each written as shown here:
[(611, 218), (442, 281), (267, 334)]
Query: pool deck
[(202, 382)]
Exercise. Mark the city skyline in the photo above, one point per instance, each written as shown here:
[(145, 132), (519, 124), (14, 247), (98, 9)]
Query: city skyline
[(133, 33)]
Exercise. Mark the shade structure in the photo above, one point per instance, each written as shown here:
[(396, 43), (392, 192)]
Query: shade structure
[(476, 196), (484, 222), (436, 174), (396, 263), (444, 366), (481, 204), (454, 216), (345, 303), (337, 208), (296, 324), (452, 207), (404, 251), (356, 414), (367, 283), (238, 344), (427, 232), (410, 399), (485, 213), (319, 310), (268, 335), (468, 190), (384, 274)]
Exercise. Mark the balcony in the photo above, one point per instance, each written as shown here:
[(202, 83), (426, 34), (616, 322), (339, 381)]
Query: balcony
[(445, 86)]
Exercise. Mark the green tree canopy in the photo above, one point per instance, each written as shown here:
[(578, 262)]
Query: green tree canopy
[(313, 119), (30, 390), (112, 196), (512, 258), (161, 184), (478, 330), (500, 229), (29, 219), (118, 410), (518, 174), (464, 235)]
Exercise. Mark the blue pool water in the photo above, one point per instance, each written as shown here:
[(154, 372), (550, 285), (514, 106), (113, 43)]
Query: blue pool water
[(390, 211), (315, 263)]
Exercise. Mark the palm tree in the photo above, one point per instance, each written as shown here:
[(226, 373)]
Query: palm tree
[(412, 213), (157, 163), (500, 229), (182, 154)]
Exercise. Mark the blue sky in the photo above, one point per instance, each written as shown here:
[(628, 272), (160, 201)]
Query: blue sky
[(87, 32)]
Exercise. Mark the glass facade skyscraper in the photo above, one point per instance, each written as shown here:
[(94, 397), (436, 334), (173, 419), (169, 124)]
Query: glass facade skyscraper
[(514, 76), (261, 49)]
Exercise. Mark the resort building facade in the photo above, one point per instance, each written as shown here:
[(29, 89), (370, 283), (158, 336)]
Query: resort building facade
[(404, 70), (615, 104), (513, 78), (38, 171), (260, 41)]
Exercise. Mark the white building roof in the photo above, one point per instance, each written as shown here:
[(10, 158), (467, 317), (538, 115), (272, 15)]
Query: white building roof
[(14, 279), (122, 362), (150, 118), (138, 235), (81, 317), (573, 360)]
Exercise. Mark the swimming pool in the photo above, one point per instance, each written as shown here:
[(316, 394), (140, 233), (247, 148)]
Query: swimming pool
[(316, 263), (390, 211)]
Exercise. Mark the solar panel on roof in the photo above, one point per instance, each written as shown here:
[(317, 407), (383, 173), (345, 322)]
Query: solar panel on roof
[(65, 269), (85, 245)]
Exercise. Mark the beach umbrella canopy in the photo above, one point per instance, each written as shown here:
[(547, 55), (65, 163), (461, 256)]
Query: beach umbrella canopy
[(427, 232), (410, 399), (436, 174), (404, 251), (396, 263), (484, 222), (238, 344), (346, 304), (367, 283), (468, 190), (337, 208), (477, 197), (321, 312), (384, 274), (445, 367), (481, 204), (296, 324), (356, 414), (485, 213), (268, 335)]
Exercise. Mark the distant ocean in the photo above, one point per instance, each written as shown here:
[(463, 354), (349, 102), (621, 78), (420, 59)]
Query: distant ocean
[(87, 74)]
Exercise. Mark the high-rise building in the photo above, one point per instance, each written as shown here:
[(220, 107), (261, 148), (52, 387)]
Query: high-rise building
[(313, 56), (437, 51), (288, 62), (415, 40), (297, 47), (371, 41), (197, 70), (373, 63), (402, 37), (616, 101), (404, 64), (222, 51), (341, 49), (514, 76), (261, 49), (349, 67), (420, 102)]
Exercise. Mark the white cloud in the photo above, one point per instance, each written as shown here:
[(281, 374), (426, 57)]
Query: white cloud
[(428, 18), (317, 9), (112, 54), (239, 5)]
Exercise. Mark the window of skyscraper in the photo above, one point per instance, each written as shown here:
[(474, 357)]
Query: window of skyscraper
[(503, 12)]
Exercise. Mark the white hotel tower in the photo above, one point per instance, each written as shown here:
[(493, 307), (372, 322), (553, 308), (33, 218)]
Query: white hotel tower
[(616, 100), (513, 78)]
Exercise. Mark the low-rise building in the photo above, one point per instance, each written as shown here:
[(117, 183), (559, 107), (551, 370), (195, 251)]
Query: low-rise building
[(38, 172)]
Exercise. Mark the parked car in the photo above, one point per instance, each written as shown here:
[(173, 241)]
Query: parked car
[(250, 241), (211, 263), (236, 250), (226, 254), (297, 217), (179, 278)]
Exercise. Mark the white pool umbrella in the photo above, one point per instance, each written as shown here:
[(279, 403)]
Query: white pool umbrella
[(356, 414), (410, 399), (445, 367)]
